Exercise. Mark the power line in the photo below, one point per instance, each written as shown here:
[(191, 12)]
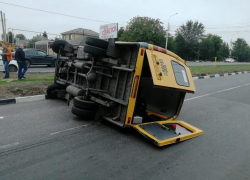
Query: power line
[(52, 12), (33, 31), (220, 26)]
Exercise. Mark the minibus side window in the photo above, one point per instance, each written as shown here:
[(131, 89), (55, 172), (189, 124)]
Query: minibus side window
[(180, 74)]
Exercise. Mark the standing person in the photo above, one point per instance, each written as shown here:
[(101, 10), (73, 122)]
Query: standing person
[(22, 66), (6, 57)]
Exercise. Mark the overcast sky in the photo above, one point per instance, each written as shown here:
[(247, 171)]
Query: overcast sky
[(222, 17)]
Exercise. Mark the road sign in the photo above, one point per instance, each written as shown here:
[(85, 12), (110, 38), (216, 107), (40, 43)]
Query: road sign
[(108, 31)]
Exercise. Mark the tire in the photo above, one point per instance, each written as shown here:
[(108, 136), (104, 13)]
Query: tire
[(87, 114), (79, 102), (28, 63), (97, 42), (52, 90), (57, 44), (12, 68), (94, 50)]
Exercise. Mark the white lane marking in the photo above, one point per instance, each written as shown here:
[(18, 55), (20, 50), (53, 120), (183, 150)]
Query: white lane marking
[(229, 89), (69, 129), (217, 92), (196, 97), (1, 117), (9, 145)]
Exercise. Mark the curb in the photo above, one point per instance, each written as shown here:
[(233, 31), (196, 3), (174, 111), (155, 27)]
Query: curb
[(18, 100), (220, 75)]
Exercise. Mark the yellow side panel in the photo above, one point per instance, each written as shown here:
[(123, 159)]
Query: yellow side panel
[(162, 71), (134, 88)]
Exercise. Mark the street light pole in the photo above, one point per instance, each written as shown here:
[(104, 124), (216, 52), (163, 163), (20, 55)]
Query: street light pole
[(168, 30), (2, 20), (232, 43)]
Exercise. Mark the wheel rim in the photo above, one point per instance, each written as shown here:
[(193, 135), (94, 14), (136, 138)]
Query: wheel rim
[(55, 63), (12, 69), (28, 63)]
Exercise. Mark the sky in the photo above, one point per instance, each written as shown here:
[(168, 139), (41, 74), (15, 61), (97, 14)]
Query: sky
[(226, 18)]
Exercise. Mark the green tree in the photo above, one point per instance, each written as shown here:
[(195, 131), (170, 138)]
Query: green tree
[(32, 42), (45, 34), (224, 51), (20, 36), (120, 32), (171, 43), (241, 50), (144, 29), (187, 39), (211, 47)]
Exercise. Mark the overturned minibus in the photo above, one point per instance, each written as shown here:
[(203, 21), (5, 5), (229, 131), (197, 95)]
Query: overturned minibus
[(129, 84)]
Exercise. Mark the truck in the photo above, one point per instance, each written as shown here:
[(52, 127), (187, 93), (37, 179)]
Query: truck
[(129, 84)]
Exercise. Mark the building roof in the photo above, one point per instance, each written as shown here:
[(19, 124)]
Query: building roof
[(18, 42), (82, 31), (40, 38), (42, 42)]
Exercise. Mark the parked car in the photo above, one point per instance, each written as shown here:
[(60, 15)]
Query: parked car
[(13, 67), (38, 57), (230, 60)]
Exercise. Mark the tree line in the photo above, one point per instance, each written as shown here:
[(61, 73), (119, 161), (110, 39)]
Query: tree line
[(189, 41)]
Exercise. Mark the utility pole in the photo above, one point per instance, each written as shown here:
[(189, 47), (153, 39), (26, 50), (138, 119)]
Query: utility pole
[(5, 28), (2, 25), (231, 43)]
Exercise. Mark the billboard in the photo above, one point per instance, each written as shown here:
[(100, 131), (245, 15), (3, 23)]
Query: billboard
[(108, 31)]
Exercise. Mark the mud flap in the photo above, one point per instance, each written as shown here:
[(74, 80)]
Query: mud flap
[(168, 132)]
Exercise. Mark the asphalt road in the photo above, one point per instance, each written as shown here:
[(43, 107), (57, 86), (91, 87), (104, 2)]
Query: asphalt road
[(43, 140)]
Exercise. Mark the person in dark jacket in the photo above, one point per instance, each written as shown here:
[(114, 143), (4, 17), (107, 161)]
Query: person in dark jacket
[(22, 66)]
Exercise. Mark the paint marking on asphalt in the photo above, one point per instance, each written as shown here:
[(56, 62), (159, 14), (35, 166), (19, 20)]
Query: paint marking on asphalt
[(69, 129), (217, 92), (196, 97), (9, 145), (1, 117)]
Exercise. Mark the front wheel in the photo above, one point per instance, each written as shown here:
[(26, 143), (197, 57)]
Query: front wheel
[(55, 62), (28, 63), (12, 68), (52, 90)]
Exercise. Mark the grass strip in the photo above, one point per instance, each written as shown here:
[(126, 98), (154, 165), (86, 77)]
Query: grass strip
[(221, 69)]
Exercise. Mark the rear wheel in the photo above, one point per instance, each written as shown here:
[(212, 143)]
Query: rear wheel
[(79, 102), (12, 68), (28, 63), (86, 114), (55, 62)]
